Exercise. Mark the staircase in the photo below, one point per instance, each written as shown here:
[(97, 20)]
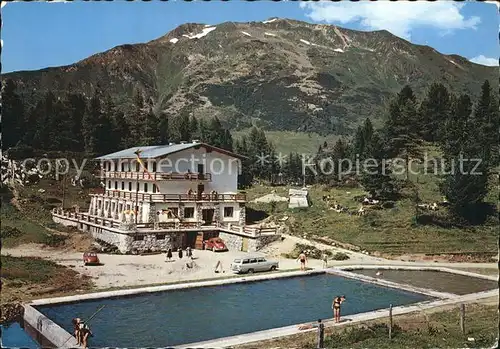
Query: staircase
[(198, 245)]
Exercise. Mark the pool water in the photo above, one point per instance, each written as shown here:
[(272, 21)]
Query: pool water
[(198, 314), (13, 336), (435, 280)]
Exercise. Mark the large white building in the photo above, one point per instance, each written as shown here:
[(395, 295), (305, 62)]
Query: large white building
[(168, 196)]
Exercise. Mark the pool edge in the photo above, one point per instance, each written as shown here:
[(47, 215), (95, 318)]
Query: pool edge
[(274, 333)]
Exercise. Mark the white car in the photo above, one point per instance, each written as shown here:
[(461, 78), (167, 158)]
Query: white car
[(253, 264)]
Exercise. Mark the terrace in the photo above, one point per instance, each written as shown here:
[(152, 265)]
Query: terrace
[(145, 197), (165, 227)]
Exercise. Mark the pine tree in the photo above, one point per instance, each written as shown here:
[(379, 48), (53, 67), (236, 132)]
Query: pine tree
[(464, 145), (456, 131), (163, 128), (400, 131), (42, 137), (434, 111), (12, 115), (486, 121), (376, 176)]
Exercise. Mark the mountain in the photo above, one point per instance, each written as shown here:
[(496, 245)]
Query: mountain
[(280, 74)]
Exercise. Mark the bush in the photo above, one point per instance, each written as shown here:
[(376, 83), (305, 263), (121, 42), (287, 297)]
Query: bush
[(54, 240), (340, 256), (10, 232), (310, 251)]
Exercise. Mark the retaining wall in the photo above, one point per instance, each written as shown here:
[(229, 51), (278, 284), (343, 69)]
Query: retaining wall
[(47, 332)]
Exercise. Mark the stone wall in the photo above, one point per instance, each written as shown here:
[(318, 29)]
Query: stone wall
[(243, 215), (151, 242), (258, 243), (122, 241), (233, 242)]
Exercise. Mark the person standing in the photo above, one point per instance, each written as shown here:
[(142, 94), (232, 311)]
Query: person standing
[(76, 329), (303, 260), (169, 254), (180, 253), (337, 301), (85, 333), (325, 260)]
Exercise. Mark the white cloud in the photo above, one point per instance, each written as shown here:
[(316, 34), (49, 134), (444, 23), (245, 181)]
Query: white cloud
[(397, 17), (492, 62)]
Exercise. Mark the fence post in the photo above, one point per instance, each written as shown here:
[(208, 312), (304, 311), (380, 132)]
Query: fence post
[(390, 321), (321, 334), (462, 318)]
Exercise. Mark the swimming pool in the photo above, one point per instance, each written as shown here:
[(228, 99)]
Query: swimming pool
[(198, 314), (14, 336)]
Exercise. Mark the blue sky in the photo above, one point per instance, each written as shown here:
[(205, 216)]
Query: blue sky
[(38, 35)]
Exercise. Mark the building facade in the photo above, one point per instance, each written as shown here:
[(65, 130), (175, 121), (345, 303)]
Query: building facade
[(168, 196)]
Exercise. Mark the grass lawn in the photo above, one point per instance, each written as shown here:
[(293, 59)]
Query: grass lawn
[(432, 329)]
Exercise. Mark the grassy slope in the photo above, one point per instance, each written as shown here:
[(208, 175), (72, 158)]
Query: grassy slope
[(418, 330), (299, 142), (26, 278), (389, 230)]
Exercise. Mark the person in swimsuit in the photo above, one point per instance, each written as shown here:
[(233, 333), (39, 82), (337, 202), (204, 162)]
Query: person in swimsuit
[(337, 301), (303, 260), (76, 329), (85, 333)]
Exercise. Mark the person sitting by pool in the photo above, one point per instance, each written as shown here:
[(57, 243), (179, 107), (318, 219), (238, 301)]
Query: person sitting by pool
[(303, 260), (85, 333), (337, 301), (76, 329)]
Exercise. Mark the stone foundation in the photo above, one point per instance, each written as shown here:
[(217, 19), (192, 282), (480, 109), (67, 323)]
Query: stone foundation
[(235, 242)]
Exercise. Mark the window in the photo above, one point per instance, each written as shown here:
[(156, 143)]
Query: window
[(123, 185), (228, 211), (123, 167), (138, 237), (246, 261), (201, 168), (160, 237), (129, 186), (145, 187), (253, 260), (137, 168), (116, 184), (173, 213), (154, 166), (154, 188), (260, 260), (137, 187), (189, 212), (109, 184)]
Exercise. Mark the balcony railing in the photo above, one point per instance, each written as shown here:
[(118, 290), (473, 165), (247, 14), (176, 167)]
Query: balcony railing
[(158, 176), (170, 197), (170, 226)]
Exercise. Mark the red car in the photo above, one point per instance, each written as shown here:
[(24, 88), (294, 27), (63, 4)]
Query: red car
[(215, 244), (90, 258)]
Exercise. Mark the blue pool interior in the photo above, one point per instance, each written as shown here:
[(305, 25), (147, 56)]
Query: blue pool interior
[(13, 336), (185, 316)]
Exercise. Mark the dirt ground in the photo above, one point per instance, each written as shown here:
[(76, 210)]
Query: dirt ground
[(131, 270)]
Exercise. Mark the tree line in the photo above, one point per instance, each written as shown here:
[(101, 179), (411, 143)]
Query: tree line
[(460, 126), (96, 125)]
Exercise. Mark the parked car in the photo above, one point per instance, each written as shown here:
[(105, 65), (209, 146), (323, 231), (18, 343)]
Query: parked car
[(215, 244), (253, 264), (90, 258)]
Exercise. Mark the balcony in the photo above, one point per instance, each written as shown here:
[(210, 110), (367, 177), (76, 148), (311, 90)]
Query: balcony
[(158, 176), (248, 231), (145, 197)]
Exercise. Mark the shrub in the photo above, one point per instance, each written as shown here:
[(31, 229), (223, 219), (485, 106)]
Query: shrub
[(10, 232), (340, 256)]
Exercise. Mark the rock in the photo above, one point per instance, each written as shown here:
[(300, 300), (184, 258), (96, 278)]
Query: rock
[(11, 312), (41, 190)]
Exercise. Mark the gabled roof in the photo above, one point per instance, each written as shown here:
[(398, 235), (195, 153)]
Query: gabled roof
[(156, 151)]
